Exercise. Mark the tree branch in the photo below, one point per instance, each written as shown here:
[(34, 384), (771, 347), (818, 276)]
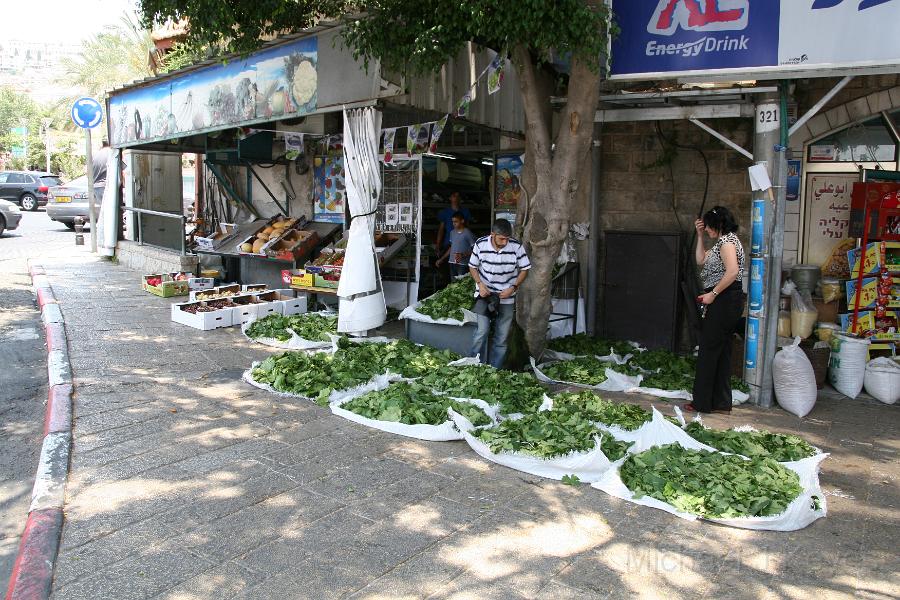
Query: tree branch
[(537, 127)]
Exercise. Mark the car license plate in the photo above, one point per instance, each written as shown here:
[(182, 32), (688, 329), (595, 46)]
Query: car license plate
[(63, 198)]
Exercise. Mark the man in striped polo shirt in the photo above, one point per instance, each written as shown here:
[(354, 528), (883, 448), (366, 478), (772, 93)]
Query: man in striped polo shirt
[(498, 265)]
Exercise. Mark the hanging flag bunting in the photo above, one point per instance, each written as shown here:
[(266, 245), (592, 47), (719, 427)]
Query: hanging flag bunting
[(495, 74), (417, 138), (436, 133), (389, 135), (462, 108), (294, 146)]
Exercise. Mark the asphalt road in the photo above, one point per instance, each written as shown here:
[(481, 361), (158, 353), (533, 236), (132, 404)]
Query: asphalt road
[(23, 374)]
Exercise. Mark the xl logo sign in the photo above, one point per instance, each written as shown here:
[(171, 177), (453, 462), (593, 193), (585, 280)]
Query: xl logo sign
[(703, 15), (863, 5)]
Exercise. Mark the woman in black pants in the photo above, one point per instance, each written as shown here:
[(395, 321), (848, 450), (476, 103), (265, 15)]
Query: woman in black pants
[(722, 269)]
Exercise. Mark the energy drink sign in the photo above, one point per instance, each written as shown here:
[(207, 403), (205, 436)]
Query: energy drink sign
[(673, 38)]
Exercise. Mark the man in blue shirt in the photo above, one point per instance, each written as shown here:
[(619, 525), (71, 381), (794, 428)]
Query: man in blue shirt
[(445, 216), (498, 265)]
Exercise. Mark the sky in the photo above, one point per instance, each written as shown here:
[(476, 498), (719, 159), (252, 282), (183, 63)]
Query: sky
[(64, 21)]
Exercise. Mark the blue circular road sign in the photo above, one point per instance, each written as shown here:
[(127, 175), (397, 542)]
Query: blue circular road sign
[(87, 113)]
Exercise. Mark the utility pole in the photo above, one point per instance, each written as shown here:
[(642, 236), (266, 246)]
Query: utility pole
[(88, 152), (47, 122)]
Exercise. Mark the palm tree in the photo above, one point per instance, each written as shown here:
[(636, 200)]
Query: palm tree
[(113, 58)]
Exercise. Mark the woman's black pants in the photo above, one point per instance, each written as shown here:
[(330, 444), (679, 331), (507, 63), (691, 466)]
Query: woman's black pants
[(712, 387)]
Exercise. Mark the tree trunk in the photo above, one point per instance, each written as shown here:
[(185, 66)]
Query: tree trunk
[(557, 170)]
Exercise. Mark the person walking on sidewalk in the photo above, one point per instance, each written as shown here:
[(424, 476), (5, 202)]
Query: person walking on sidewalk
[(498, 265), (722, 269)]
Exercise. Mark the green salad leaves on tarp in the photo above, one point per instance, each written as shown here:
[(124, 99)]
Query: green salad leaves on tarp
[(594, 408), (549, 434), (309, 375), (582, 344), (399, 356), (413, 404), (309, 326), (710, 484), (514, 392), (739, 384), (450, 301), (753, 444), (655, 360), (585, 370)]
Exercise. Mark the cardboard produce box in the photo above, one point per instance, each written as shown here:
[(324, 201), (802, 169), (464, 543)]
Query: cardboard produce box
[(293, 244), (222, 291), (868, 325), (166, 285), (204, 318), (297, 278), (201, 283), (290, 302)]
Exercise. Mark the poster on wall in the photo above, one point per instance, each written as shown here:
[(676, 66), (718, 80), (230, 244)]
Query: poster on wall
[(507, 190), (827, 214), (331, 189), (274, 83), (792, 187)]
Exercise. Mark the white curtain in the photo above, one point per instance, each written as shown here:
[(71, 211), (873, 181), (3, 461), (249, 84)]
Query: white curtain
[(362, 305), (107, 229)]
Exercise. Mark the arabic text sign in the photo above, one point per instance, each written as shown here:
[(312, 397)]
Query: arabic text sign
[(680, 37), (828, 214)]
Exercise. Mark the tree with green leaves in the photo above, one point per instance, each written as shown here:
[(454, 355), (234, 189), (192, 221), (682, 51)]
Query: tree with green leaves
[(419, 36)]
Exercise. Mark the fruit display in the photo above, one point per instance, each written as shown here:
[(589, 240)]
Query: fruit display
[(254, 244), (328, 259)]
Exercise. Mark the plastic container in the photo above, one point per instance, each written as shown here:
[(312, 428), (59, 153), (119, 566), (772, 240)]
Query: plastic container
[(784, 324), (831, 289), (824, 331), (803, 315), (805, 277)]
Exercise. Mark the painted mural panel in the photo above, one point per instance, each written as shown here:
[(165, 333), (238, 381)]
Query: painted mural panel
[(274, 83)]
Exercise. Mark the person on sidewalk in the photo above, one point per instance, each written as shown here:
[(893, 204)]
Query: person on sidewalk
[(498, 265), (460, 248), (722, 269)]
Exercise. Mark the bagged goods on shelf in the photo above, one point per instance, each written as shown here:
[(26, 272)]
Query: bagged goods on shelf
[(795, 380)]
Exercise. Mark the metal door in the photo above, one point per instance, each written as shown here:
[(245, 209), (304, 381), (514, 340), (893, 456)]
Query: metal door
[(641, 291)]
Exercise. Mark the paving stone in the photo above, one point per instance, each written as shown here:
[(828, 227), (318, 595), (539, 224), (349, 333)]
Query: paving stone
[(226, 580)]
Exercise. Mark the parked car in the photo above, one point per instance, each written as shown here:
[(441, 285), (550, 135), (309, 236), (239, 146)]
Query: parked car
[(28, 189), (10, 215), (65, 202)]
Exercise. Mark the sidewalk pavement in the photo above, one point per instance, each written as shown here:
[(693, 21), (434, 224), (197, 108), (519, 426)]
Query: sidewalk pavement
[(188, 483)]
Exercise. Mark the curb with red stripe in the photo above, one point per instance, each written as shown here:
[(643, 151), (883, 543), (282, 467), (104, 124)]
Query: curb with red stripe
[(32, 574)]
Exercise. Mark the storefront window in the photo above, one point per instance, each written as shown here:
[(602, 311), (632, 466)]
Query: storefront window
[(869, 141)]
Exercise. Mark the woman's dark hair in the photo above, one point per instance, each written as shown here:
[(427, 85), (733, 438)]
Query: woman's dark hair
[(720, 219)]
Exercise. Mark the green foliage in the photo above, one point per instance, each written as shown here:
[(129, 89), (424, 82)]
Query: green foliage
[(310, 375), (399, 356), (450, 301), (413, 404), (585, 370), (416, 36), (591, 406), (514, 392), (582, 344), (753, 444), (655, 360), (549, 434), (739, 384), (710, 484), (310, 326), (572, 480)]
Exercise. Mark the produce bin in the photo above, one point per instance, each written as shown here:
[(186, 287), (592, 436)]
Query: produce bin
[(446, 337)]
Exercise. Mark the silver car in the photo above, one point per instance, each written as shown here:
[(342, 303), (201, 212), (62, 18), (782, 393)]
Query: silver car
[(65, 202), (10, 215)]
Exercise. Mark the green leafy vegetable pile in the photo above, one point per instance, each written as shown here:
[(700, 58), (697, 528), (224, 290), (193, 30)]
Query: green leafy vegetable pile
[(310, 326), (594, 408), (582, 344), (450, 301), (585, 370), (412, 404), (753, 444), (710, 484), (549, 434), (669, 380), (514, 392), (399, 356), (740, 385), (309, 375), (655, 360)]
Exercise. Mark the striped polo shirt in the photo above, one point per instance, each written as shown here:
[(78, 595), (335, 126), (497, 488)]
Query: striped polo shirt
[(499, 269)]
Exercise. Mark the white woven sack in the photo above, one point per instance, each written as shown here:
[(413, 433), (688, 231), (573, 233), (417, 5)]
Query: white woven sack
[(847, 365), (795, 380), (882, 380)]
